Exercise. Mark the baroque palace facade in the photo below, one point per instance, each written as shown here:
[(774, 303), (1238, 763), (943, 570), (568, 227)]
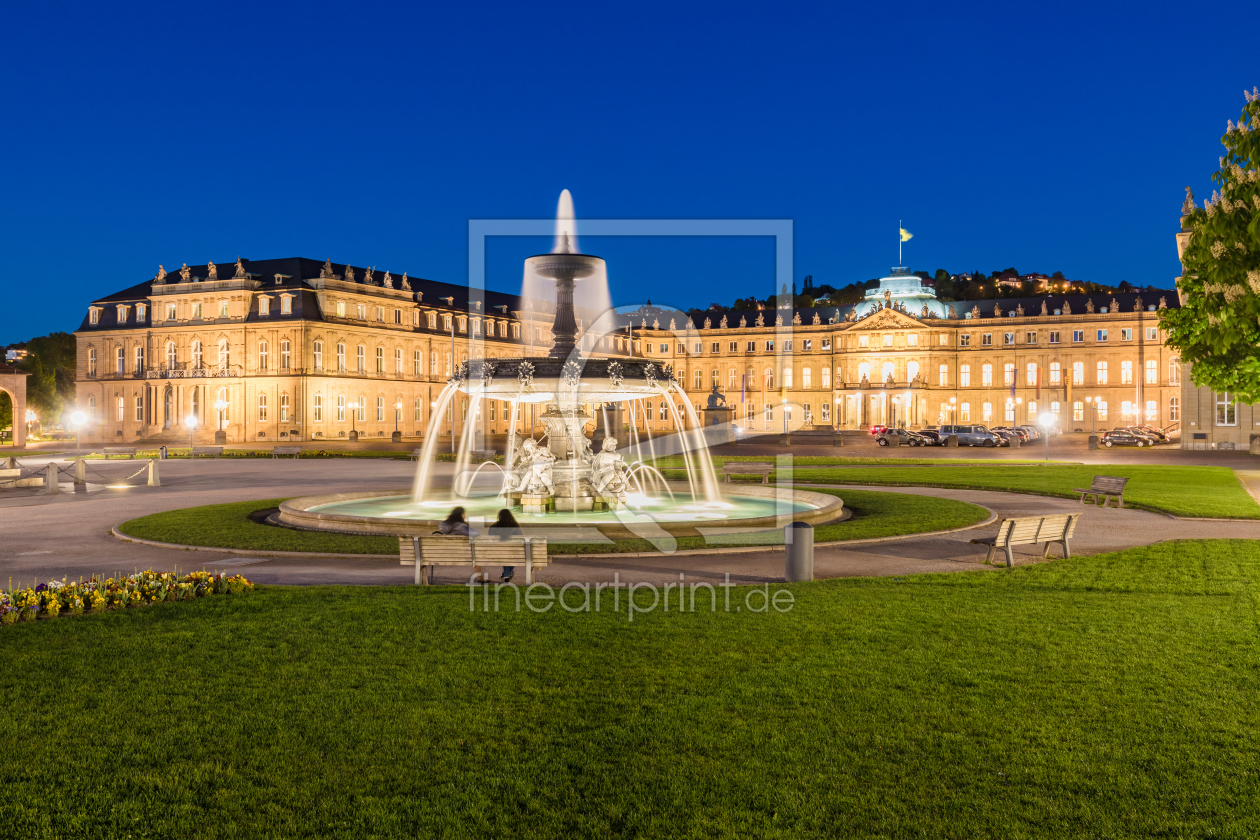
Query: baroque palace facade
[(292, 349)]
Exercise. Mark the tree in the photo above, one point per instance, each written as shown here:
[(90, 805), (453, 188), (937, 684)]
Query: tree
[(51, 363), (1216, 329)]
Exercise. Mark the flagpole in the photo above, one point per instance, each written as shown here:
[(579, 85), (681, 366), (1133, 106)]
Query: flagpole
[(900, 222)]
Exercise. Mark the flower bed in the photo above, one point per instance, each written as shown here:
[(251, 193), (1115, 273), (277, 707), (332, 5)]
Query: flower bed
[(52, 598)]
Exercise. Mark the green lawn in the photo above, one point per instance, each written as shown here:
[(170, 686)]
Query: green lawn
[(676, 461), (875, 514), (1108, 696)]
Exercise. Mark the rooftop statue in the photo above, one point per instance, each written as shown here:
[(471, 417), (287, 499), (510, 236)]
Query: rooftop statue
[(184, 273), (367, 277), (405, 284), (388, 281), (240, 270), (349, 278), (722, 324), (212, 271), (161, 275), (326, 270)]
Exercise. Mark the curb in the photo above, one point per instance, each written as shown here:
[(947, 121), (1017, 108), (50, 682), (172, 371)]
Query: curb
[(126, 538)]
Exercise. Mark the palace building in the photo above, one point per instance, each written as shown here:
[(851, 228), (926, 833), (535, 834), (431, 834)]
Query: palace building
[(295, 349)]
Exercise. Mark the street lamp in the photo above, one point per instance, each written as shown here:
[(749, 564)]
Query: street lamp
[(30, 418), (78, 419), (191, 422), (220, 436), (1047, 419), (397, 418), (354, 409), (1090, 401)]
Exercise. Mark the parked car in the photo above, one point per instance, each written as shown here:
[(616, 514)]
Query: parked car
[(1018, 431), (1123, 437), (878, 430), (907, 438), (932, 437), (1151, 431), (1034, 433), (1150, 437), (1005, 436), (971, 435)]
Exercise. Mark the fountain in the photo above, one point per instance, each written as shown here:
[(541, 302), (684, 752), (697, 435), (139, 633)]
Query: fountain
[(558, 482)]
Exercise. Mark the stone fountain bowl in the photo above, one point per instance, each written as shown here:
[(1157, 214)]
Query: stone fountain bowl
[(540, 380), (814, 508)]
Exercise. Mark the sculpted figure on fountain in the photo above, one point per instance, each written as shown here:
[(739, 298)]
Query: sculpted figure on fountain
[(610, 472)]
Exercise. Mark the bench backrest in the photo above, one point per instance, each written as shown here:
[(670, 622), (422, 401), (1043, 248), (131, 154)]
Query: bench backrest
[(747, 466), (1037, 529), (446, 549), (120, 450), (286, 450), (493, 550), (207, 450), (1109, 483), (488, 550)]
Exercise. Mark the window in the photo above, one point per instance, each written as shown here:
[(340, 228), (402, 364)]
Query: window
[(730, 379), (432, 320), (91, 412), (986, 376), (1126, 410), (787, 377), (1008, 373), (1102, 335), (986, 412), (1009, 411), (139, 359), (1174, 409), (360, 356), (341, 409), (122, 409), (284, 408), (886, 371), (139, 409), (1054, 409), (986, 340), (1152, 412), (807, 375), (262, 355), (341, 309), (1102, 373), (224, 357), (122, 315), (284, 355), (196, 354), (360, 311), (1226, 410), (826, 344), (94, 316), (1030, 375), (769, 413), (120, 362), (912, 371), (807, 344), (888, 341), (223, 308), (664, 411), (769, 379), (1174, 371), (1030, 338), (398, 362), (262, 407), (944, 340), (380, 314), (264, 306), (752, 347), (1078, 410), (769, 346), (1056, 374), (380, 359), (826, 412), (964, 340), (142, 311), (1126, 334), (448, 365), (1054, 336), (172, 358), (699, 379), (964, 376), (715, 378), (864, 341), (170, 312), (826, 377), (380, 409), (196, 310), (417, 363), (319, 355), (807, 414), (1078, 336), (286, 305), (416, 410), (319, 408), (964, 412), (1078, 373), (715, 347), (864, 371), (463, 323), (1126, 373), (732, 347), (1101, 409), (1008, 338), (912, 340), (1152, 333)]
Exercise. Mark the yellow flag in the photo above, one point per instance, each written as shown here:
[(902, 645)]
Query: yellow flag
[(906, 235)]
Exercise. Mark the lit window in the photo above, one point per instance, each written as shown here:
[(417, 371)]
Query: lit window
[(170, 312), (888, 341), (864, 341), (319, 408), (1008, 373), (341, 409), (172, 358), (341, 309), (224, 356), (986, 412), (262, 407), (1152, 372), (1174, 371), (284, 408), (1078, 373), (964, 412), (1009, 413), (964, 376), (1152, 411), (1174, 409), (223, 309), (826, 377), (1102, 373), (986, 376), (1101, 409), (806, 378), (912, 340), (1126, 373), (1226, 410), (826, 412), (196, 354), (122, 409), (912, 371), (1056, 374), (1078, 410), (360, 311), (1031, 374), (196, 311)]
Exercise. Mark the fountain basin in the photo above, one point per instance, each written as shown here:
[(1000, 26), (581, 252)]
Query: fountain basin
[(392, 513), (544, 380)]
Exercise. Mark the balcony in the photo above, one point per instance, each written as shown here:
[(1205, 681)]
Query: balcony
[(183, 371)]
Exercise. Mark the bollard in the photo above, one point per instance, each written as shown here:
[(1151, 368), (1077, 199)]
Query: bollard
[(50, 480), (838, 440), (1015, 442), (798, 546), (893, 439), (80, 471), (951, 441), (1093, 441), (154, 481)]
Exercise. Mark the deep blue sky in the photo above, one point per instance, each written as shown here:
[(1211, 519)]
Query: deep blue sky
[(1047, 136)]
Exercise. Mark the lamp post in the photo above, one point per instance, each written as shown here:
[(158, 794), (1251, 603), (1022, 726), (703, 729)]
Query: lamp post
[(30, 418), (1047, 419), (220, 436), (397, 418), (78, 419), (354, 409), (1090, 401), (191, 422)]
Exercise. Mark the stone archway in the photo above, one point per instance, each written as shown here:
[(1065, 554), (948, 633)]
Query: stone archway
[(13, 384)]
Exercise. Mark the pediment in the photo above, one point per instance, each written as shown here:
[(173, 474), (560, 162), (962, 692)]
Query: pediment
[(888, 319)]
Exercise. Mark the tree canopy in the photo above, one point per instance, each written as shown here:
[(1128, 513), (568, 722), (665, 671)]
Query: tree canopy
[(50, 361), (1217, 328)]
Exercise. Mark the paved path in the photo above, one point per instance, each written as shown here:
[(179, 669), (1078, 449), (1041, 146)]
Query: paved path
[(68, 534)]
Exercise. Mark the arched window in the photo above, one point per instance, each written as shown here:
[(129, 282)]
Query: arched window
[(417, 363), (196, 354), (122, 410), (120, 361), (285, 354), (341, 408), (1008, 373), (912, 370), (1056, 374), (787, 377), (319, 408), (341, 357), (1102, 409), (964, 376), (807, 378), (1174, 408), (1030, 374), (769, 379), (284, 408), (417, 411), (1174, 373), (223, 353), (380, 409), (1078, 373), (886, 370), (986, 412), (730, 380), (986, 376), (91, 412), (398, 361), (1126, 373), (864, 371), (380, 359), (1102, 373), (362, 408), (360, 358), (139, 359), (262, 356), (171, 357), (1078, 410), (319, 355)]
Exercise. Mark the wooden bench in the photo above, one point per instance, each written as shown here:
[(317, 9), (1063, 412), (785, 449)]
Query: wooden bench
[(530, 552), (198, 451), (1104, 487), (129, 451), (761, 468), (483, 454), (277, 451), (1030, 531)]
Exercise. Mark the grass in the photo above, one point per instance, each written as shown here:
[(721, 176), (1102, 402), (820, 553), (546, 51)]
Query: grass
[(176, 452), (1109, 696), (876, 514), (676, 461)]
